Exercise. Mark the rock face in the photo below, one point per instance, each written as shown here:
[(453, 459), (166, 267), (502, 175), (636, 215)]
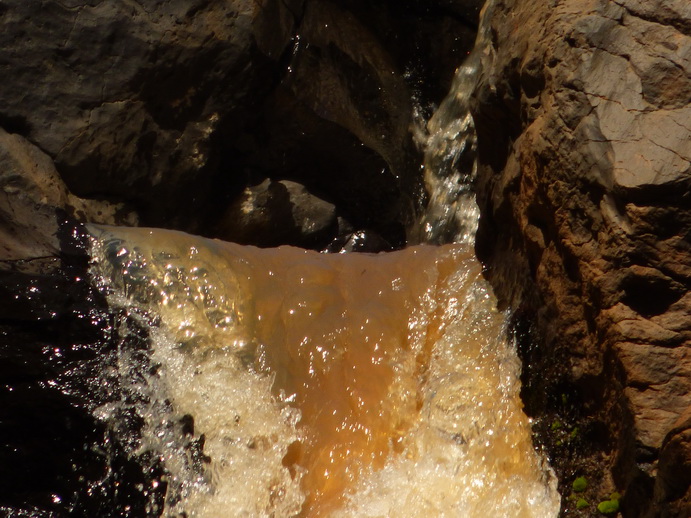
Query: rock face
[(175, 107), (32, 199), (584, 142), (125, 98)]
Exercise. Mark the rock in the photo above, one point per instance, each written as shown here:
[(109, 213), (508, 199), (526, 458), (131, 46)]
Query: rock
[(584, 177), (364, 241), (671, 487), (176, 107), (275, 213), (32, 196), (127, 98)]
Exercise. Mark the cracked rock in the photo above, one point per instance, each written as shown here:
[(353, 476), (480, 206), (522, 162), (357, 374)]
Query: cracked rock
[(584, 187)]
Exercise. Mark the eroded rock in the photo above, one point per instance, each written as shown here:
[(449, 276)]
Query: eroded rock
[(583, 118)]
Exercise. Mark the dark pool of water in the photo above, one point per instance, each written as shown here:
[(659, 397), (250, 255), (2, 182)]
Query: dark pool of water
[(56, 458)]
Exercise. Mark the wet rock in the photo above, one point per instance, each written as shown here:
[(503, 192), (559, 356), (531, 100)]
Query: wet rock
[(584, 178), (275, 213), (58, 457), (364, 241)]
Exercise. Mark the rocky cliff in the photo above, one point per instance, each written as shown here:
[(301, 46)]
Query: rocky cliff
[(584, 139)]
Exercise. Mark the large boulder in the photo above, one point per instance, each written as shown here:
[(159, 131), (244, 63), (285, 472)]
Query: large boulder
[(583, 119), (127, 97)]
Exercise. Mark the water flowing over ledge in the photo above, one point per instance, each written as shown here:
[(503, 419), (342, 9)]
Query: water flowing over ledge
[(342, 385), (282, 382), (171, 115)]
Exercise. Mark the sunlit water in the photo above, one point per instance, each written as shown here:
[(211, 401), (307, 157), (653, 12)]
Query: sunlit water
[(284, 382), (449, 142), (327, 385)]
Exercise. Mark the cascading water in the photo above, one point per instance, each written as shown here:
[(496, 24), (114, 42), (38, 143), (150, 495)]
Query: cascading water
[(449, 142), (283, 382), (338, 385)]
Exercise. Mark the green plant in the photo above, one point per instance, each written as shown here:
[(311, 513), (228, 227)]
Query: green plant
[(582, 503), (608, 506), (580, 484)]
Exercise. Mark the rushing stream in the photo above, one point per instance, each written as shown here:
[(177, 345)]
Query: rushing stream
[(282, 382), (342, 385)]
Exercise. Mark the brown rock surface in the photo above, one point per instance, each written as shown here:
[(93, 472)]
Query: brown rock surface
[(126, 97), (32, 197), (584, 122)]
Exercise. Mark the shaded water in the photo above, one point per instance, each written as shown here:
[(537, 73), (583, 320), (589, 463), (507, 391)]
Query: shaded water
[(331, 385)]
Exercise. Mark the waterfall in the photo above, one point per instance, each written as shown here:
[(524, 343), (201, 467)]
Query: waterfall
[(284, 382), (335, 384), (449, 142)]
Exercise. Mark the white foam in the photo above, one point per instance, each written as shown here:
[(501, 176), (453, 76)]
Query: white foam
[(229, 325)]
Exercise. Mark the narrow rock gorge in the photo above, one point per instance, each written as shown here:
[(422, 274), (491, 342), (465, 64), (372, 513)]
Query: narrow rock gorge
[(305, 123)]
